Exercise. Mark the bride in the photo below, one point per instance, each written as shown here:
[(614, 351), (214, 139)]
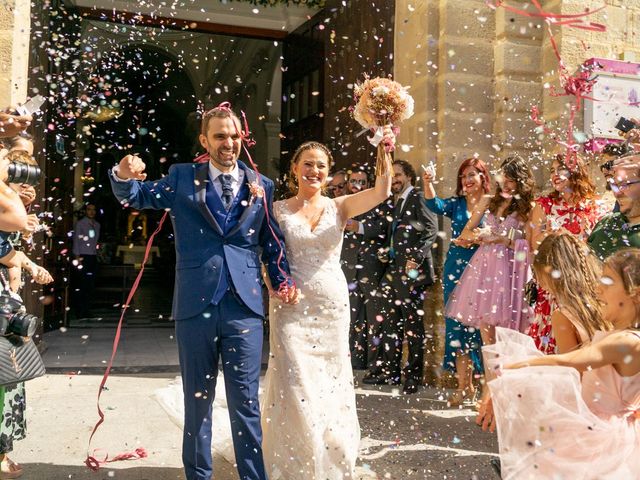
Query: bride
[(309, 420)]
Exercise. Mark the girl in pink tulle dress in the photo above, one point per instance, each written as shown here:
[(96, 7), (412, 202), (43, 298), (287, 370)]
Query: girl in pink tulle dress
[(554, 422), (490, 292)]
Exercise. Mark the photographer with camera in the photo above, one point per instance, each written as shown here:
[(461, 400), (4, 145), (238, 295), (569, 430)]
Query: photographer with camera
[(21, 172)]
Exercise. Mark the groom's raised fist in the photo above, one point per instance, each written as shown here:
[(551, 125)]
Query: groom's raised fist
[(131, 167)]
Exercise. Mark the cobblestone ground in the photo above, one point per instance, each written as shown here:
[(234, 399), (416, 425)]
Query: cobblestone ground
[(417, 437)]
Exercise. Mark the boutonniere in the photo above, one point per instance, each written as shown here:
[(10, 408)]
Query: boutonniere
[(256, 190)]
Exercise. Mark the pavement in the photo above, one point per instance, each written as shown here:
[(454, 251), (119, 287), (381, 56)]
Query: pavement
[(404, 437)]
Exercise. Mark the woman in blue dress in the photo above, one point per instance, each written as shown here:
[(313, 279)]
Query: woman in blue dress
[(462, 344)]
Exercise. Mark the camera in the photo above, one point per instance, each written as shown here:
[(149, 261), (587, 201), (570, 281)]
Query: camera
[(23, 168), (13, 318), (625, 125)]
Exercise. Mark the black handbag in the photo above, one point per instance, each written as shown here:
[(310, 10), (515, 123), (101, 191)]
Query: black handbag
[(19, 360)]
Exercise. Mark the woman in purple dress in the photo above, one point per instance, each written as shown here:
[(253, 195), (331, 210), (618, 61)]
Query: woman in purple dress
[(490, 292)]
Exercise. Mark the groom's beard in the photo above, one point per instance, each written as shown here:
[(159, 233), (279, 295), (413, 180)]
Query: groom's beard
[(225, 158)]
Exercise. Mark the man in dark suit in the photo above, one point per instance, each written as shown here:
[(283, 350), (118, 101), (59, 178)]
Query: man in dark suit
[(221, 233), (364, 236), (410, 270)]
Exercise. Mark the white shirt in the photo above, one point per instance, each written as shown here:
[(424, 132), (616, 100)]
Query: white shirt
[(404, 197), (237, 176)]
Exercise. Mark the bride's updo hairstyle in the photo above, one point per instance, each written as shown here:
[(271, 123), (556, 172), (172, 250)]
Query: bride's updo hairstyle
[(292, 181)]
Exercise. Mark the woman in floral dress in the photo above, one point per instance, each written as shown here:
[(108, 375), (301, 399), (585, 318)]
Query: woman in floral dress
[(572, 206)]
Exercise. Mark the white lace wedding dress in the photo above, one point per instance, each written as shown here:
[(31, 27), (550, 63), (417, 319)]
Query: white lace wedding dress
[(309, 420)]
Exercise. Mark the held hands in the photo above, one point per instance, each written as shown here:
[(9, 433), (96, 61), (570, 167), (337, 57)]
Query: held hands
[(131, 167), (461, 242), (288, 295)]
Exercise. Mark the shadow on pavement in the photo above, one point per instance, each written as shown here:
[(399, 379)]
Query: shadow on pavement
[(48, 471)]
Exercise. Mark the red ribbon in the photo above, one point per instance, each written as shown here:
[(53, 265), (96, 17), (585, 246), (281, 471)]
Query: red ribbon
[(578, 85), (91, 461), (94, 464)]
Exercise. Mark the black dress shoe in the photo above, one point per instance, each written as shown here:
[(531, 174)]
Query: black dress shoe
[(379, 380), (410, 386), (497, 467)]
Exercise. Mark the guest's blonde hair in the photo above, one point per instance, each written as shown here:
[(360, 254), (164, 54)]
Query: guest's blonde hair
[(572, 274)]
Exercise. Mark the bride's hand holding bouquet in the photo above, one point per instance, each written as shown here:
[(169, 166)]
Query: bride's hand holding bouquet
[(380, 105)]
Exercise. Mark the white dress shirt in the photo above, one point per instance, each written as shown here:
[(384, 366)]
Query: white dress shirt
[(237, 176)]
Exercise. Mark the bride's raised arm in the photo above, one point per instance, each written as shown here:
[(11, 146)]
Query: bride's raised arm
[(353, 205)]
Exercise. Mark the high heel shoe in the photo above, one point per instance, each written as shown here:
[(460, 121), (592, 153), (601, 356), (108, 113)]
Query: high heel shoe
[(9, 469), (455, 398), (460, 396)]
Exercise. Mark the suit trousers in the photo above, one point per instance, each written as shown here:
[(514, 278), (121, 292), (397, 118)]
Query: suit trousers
[(366, 304), (231, 331), (402, 318)]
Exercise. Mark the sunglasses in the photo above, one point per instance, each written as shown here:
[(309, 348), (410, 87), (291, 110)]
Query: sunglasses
[(338, 185), (621, 187), (355, 181)]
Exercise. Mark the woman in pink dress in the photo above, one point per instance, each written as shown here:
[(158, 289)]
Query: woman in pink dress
[(573, 207), (574, 415), (490, 290)]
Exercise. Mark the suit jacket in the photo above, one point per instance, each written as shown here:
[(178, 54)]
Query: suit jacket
[(360, 252), (414, 231), (203, 248)]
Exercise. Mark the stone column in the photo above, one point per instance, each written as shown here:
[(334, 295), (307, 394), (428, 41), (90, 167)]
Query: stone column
[(415, 65), (15, 25), (518, 53), (444, 51)]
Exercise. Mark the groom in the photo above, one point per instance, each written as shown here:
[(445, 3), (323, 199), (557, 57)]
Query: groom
[(220, 225)]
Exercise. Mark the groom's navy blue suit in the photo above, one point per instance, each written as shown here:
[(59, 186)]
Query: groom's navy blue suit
[(217, 302)]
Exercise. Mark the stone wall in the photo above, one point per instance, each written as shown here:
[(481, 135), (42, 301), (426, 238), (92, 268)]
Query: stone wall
[(476, 72), (14, 51)]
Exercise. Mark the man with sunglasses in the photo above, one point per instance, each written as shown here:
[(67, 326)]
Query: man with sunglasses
[(364, 236), (338, 184), (620, 229)]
